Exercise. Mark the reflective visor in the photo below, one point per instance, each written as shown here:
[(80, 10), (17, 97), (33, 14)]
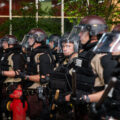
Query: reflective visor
[(28, 39), (109, 42), (77, 30)]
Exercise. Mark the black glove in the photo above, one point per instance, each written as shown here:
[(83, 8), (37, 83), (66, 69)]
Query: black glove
[(22, 75), (45, 80), (76, 100)]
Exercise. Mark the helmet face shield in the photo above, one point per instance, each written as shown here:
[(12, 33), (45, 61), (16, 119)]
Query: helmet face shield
[(31, 41), (28, 40), (4, 43), (54, 42), (97, 29), (70, 44), (78, 29), (109, 42), (67, 48), (82, 31)]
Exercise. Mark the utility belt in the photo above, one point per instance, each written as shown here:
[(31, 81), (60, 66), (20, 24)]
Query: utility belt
[(38, 90), (30, 92)]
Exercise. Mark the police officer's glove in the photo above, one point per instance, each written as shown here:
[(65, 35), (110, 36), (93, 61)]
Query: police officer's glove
[(77, 100), (22, 75), (45, 80)]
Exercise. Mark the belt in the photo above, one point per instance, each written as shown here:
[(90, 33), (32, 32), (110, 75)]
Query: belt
[(30, 92)]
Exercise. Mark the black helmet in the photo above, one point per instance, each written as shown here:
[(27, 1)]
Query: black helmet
[(88, 27), (72, 39), (38, 34), (55, 38), (94, 24), (34, 35), (10, 39)]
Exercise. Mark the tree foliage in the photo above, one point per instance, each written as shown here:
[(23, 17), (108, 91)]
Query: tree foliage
[(21, 26), (108, 9)]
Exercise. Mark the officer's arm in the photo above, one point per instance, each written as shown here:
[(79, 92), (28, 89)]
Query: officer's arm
[(34, 78), (44, 68), (9, 73), (18, 65), (18, 62), (95, 97)]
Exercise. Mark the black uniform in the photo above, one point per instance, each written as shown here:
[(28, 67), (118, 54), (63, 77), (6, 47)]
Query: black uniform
[(112, 68), (85, 78), (85, 75), (11, 60), (61, 79), (40, 63)]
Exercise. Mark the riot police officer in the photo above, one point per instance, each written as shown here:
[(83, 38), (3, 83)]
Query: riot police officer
[(39, 65), (110, 44), (11, 62), (99, 62), (54, 42), (55, 47), (61, 78), (90, 30)]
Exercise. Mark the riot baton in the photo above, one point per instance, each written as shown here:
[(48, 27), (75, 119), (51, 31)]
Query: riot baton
[(74, 90), (73, 82), (108, 89), (54, 104)]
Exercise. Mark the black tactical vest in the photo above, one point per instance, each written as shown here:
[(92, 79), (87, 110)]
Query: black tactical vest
[(61, 79), (31, 63), (85, 76), (4, 60)]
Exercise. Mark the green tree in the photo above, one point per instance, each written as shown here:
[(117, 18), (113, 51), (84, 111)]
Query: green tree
[(21, 26), (103, 8)]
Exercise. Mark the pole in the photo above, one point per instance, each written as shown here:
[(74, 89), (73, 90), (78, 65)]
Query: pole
[(87, 6), (88, 2), (36, 4), (62, 17), (10, 16)]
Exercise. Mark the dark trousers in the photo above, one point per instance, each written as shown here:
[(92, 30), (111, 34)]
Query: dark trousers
[(37, 109)]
